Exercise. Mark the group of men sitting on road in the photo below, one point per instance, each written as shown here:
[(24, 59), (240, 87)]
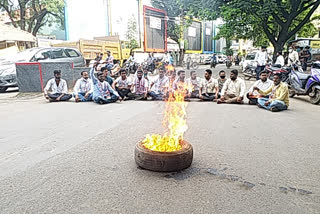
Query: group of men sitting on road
[(102, 89)]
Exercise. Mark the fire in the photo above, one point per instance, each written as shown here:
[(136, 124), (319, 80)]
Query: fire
[(169, 68), (174, 121)]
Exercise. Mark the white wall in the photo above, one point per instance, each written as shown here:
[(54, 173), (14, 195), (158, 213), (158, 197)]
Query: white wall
[(86, 19)]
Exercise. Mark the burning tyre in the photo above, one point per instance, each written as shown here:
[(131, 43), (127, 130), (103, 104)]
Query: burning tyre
[(164, 161), (168, 152)]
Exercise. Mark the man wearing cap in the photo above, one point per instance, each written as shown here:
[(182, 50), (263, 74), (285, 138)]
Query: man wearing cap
[(261, 59), (59, 89), (233, 90), (159, 87)]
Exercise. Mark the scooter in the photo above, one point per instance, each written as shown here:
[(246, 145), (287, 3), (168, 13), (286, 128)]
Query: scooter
[(306, 84)]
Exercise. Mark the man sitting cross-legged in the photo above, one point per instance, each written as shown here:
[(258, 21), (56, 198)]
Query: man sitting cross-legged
[(194, 84), (59, 89), (233, 90), (103, 93), (139, 88), (181, 84), (279, 97), (161, 84), (209, 88), (122, 84), (263, 84), (82, 90)]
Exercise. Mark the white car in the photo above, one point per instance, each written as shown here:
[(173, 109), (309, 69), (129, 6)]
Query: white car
[(221, 58), (8, 76), (249, 60)]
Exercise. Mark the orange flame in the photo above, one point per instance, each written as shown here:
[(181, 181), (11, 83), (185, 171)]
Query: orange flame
[(174, 120)]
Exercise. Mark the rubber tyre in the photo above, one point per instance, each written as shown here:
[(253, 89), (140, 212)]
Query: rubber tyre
[(3, 89), (164, 161), (195, 66), (316, 98)]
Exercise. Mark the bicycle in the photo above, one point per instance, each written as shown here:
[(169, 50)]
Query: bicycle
[(193, 65)]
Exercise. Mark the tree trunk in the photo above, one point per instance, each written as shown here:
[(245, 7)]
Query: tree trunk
[(22, 15)]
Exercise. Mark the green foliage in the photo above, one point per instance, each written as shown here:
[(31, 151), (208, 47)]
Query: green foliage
[(262, 21), (32, 15), (131, 34)]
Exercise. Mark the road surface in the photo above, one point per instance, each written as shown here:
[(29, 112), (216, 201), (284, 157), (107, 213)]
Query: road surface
[(79, 158)]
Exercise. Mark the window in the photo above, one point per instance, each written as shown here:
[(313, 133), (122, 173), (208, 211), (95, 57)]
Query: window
[(72, 53), (42, 55), (58, 53)]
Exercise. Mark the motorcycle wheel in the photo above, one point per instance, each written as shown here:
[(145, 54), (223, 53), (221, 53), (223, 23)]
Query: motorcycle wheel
[(292, 93), (316, 98), (195, 66)]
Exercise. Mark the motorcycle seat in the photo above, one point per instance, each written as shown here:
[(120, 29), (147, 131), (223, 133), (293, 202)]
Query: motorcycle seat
[(274, 68), (303, 76)]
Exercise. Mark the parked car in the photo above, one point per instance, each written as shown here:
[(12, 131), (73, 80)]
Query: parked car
[(249, 61), (221, 58), (8, 76), (207, 60)]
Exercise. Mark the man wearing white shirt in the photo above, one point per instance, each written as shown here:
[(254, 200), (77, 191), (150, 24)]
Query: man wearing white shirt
[(159, 87), (233, 90), (264, 83), (122, 84), (261, 59), (293, 56), (194, 84), (280, 59), (83, 89), (59, 89), (209, 88)]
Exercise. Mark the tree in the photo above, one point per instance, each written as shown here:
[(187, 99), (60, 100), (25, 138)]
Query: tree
[(175, 9), (31, 15), (132, 32), (275, 20)]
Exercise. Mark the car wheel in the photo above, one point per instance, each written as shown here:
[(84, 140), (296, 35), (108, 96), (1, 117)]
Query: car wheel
[(3, 89)]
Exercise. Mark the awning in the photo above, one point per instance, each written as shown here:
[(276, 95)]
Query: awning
[(9, 33)]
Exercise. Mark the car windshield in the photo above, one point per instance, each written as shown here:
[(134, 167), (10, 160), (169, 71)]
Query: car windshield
[(250, 57)]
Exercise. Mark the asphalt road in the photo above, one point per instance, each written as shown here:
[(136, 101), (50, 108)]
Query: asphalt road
[(78, 158)]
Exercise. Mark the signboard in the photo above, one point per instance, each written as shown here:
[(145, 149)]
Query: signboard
[(315, 44), (303, 43), (208, 31), (155, 22), (192, 31)]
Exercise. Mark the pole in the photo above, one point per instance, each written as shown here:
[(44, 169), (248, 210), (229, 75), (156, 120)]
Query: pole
[(66, 20), (139, 22), (106, 3)]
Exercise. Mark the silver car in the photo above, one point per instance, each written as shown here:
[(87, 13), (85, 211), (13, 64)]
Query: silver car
[(8, 77)]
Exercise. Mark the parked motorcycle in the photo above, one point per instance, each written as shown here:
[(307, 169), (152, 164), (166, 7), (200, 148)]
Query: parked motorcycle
[(277, 69), (131, 67), (306, 84), (228, 63), (249, 72)]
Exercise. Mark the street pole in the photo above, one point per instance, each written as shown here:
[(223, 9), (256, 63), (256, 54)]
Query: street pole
[(139, 21)]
